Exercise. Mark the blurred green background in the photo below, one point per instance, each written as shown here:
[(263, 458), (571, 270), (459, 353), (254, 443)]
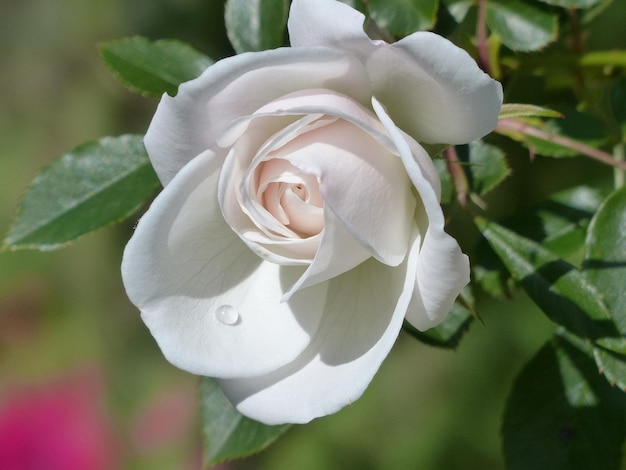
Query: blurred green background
[(65, 320)]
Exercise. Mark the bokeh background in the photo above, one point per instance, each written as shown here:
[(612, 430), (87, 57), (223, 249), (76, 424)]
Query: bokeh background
[(82, 383)]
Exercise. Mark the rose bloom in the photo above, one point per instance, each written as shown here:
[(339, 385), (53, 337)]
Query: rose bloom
[(300, 222)]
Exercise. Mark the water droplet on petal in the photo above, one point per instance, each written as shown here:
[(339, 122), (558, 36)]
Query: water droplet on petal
[(227, 314)]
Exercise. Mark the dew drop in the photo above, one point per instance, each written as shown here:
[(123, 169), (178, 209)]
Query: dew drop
[(227, 314)]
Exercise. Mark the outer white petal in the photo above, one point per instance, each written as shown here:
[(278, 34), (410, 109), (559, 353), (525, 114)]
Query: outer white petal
[(363, 316), (184, 261), (431, 88), (442, 269), (189, 123), (434, 90), (324, 23)]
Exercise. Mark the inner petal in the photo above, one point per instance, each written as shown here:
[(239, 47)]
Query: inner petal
[(362, 182), (291, 196), (304, 217)]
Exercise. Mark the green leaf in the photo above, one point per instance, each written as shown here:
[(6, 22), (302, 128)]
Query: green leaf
[(91, 186), (458, 8), (152, 68), (449, 333), (560, 223), (520, 26), (605, 268), (591, 14), (565, 218), (605, 256), (615, 58), (557, 287), (492, 280), (356, 4), (572, 3), (403, 17), (256, 25), (612, 364), (512, 110), (562, 415), (616, 345), (228, 434), (488, 167)]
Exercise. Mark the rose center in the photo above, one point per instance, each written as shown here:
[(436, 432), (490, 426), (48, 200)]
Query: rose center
[(300, 191), (290, 196)]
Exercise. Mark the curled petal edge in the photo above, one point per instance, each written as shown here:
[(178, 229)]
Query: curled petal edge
[(442, 268)]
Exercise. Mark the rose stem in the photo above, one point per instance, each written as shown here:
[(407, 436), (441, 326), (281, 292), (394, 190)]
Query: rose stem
[(458, 175), (505, 125), (481, 37)]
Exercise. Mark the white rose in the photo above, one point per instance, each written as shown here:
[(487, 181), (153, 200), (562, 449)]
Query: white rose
[(300, 223)]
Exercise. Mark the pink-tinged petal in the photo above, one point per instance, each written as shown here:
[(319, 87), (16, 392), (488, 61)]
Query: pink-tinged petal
[(363, 316), (358, 187), (360, 176), (189, 123), (362, 183), (433, 90), (184, 267), (324, 23), (266, 236), (442, 268)]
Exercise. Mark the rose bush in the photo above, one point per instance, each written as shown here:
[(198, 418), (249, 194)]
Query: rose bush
[(300, 223)]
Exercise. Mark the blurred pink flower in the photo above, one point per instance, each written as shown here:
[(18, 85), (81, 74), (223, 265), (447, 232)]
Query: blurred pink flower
[(164, 420), (61, 426)]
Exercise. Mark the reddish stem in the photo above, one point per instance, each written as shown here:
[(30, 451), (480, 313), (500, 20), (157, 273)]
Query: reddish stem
[(505, 125), (458, 175), (481, 37)]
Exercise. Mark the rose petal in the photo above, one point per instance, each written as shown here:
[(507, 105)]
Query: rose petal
[(442, 268), (442, 272), (431, 88), (324, 23), (189, 123), (338, 252), (278, 243), (361, 182), (335, 238), (379, 178), (363, 316), (291, 196), (360, 177), (438, 93), (184, 262), (381, 175)]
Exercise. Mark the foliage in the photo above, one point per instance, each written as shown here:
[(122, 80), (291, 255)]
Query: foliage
[(91, 186), (228, 434), (561, 238)]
